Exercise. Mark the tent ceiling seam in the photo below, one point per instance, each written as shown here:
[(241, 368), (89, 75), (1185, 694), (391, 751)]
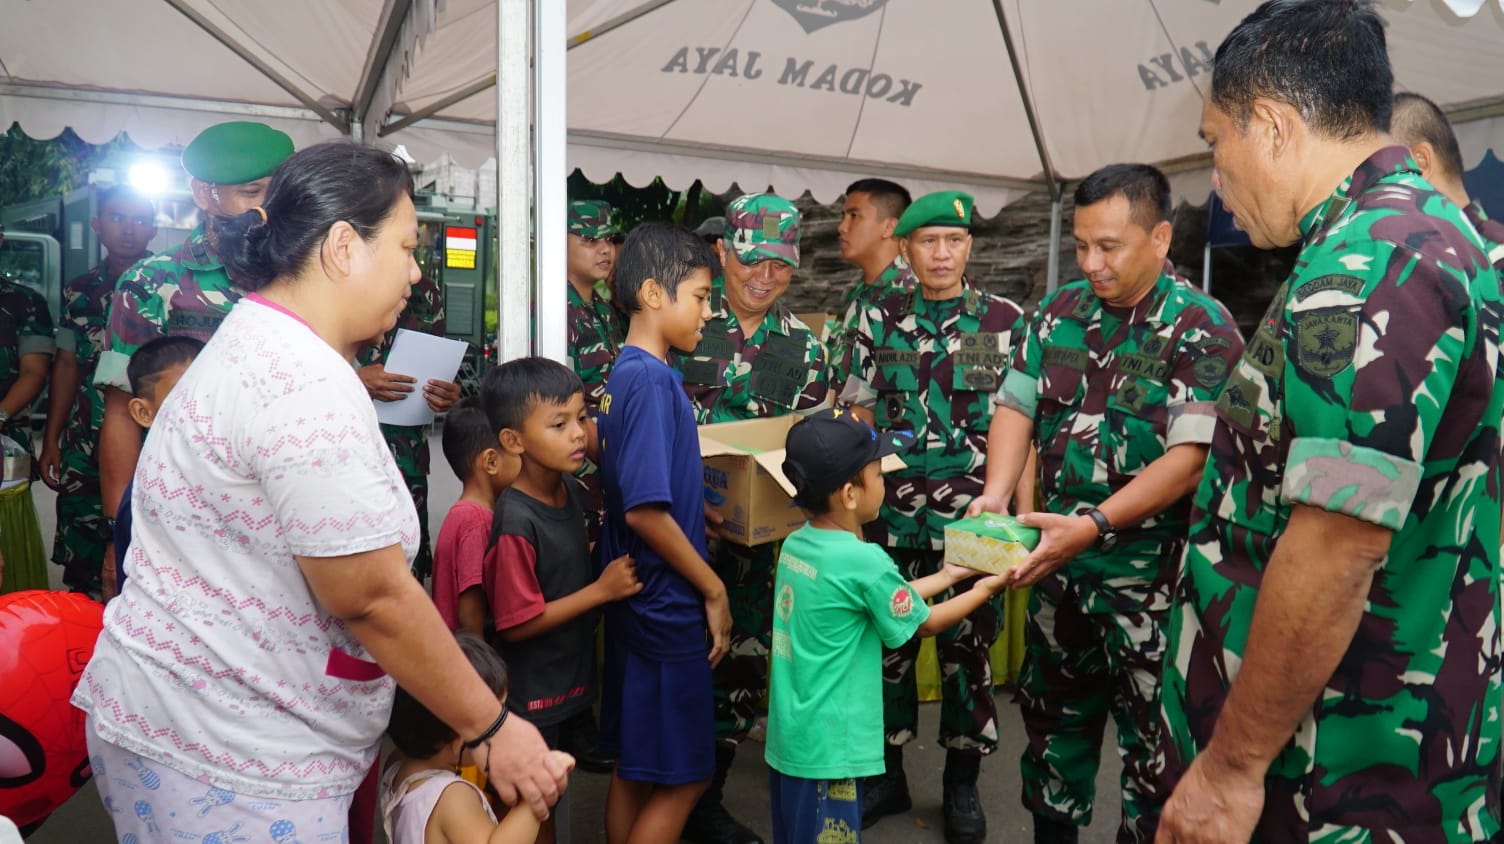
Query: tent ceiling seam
[(379, 56), (250, 58), (1174, 45), (861, 106)]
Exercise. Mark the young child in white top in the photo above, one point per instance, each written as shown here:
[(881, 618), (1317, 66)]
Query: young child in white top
[(423, 798)]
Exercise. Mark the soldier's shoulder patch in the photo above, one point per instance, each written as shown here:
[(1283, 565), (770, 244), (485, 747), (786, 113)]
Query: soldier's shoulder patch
[(1325, 340), (1348, 284), (1210, 370), (902, 603)]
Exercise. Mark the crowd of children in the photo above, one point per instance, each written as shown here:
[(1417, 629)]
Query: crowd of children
[(516, 577)]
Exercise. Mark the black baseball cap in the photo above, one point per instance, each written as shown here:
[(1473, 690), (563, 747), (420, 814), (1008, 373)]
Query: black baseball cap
[(829, 448)]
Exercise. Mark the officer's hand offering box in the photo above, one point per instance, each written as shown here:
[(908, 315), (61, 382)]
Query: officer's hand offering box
[(989, 542), (744, 479)]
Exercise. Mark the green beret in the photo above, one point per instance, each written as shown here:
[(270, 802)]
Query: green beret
[(941, 208), (591, 218), (235, 153)]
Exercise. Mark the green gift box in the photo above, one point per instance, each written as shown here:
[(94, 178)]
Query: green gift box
[(989, 542)]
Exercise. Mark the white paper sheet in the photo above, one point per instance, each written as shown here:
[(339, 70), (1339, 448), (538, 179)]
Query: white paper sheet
[(426, 358)]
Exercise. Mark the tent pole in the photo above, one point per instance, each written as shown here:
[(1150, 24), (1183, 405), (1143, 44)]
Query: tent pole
[(550, 180), (514, 270), (1052, 280), (1028, 101), (1206, 267)]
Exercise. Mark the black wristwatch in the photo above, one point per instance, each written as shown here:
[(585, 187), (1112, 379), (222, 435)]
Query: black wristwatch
[(1107, 535)]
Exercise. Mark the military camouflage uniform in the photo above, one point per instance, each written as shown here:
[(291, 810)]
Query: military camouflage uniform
[(1492, 232), (932, 367), (183, 292), (82, 530), (857, 300), (732, 375), (597, 331), (1110, 392), (25, 329), (1370, 389), (596, 334), (409, 443)]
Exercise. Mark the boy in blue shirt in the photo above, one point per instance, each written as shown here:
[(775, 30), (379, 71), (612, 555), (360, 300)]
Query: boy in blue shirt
[(656, 706), (837, 600)]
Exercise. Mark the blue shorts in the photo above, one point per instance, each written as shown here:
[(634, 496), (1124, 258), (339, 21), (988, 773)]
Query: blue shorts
[(657, 717), (815, 810)]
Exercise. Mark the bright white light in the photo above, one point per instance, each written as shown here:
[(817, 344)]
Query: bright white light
[(148, 177)]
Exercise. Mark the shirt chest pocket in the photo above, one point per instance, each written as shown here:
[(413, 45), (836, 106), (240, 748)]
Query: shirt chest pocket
[(780, 370), (712, 355), (977, 365), (1062, 378), (895, 379)]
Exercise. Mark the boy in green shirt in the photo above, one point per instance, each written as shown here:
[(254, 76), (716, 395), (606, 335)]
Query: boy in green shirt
[(837, 600)]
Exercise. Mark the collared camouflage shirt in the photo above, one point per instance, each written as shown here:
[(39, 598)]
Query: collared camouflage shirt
[(932, 367), (1369, 389), (25, 329), (85, 333), (856, 300), (596, 334), (732, 375), (1492, 232), (181, 292), (1110, 390)]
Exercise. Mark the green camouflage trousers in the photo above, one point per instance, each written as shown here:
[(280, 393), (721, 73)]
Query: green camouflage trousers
[(82, 532), (409, 447), (741, 680), (1079, 667), (968, 712)]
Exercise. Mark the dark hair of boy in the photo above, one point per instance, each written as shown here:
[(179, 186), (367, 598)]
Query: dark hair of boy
[(1336, 73), (418, 733), (149, 362), (310, 192), (1145, 187), (512, 391), (467, 433), (664, 252), (890, 198)]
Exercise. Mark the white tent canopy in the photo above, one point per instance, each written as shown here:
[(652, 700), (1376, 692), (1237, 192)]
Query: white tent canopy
[(999, 98), (796, 94)]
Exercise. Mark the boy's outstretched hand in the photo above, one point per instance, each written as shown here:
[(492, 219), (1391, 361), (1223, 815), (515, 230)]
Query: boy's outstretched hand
[(619, 579)]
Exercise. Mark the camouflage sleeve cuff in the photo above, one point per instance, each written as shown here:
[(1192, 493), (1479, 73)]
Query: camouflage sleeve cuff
[(33, 344), (1191, 423), (1353, 480), (111, 370), (1019, 392), (66, 342)]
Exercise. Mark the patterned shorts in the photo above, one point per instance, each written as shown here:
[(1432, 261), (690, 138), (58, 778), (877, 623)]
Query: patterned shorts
[(149, 801)]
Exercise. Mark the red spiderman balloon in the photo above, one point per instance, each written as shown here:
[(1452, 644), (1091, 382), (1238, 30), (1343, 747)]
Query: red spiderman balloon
[(46, 639)]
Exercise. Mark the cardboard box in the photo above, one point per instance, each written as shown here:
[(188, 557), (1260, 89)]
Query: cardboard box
[(989, 542), (818, 322), (744, 479)]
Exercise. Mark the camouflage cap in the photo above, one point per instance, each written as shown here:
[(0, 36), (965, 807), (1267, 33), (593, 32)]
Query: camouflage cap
[(760, 226), (941, 208), (591, 218), (235, 153)]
